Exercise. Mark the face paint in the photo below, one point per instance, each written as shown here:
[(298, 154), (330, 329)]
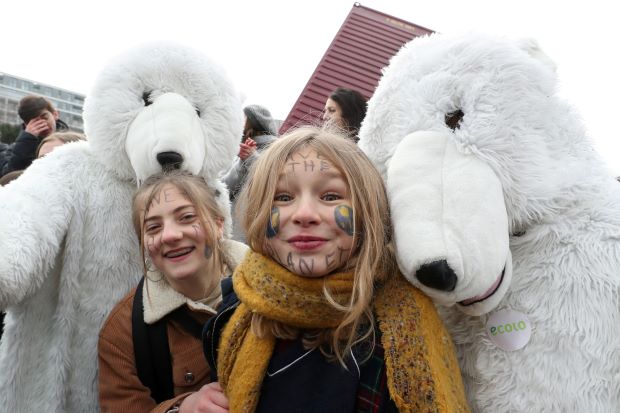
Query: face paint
[(208, 251), (344, 218), (273, 225)]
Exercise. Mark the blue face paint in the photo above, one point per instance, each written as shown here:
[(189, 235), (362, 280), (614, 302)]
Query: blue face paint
[(273, 225), (344, 218), (208, 252)]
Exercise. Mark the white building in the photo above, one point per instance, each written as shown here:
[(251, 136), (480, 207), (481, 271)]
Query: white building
[(13, 88)]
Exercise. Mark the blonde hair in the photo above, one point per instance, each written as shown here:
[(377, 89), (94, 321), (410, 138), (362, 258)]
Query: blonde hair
[(64, 137), (196, 190), (374, 259)]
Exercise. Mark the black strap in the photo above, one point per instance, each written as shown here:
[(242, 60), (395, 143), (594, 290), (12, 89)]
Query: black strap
[(151, 351)]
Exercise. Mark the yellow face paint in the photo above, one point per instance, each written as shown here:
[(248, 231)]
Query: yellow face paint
[(344, 218), (273, 225)]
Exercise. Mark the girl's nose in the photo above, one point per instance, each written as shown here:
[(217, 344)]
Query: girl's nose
[(306, 212), (171, 233)]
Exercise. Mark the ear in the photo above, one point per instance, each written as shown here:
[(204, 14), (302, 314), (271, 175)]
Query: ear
[(55, 114), (531, 47)]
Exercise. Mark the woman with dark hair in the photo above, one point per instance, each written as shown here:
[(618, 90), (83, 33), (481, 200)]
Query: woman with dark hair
[(346, 109)]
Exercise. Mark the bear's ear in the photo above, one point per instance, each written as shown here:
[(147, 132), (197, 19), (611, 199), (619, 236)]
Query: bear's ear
[(531, 47)]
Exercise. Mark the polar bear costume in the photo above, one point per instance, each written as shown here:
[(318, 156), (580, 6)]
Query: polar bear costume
[(68, 251), (504, 215)]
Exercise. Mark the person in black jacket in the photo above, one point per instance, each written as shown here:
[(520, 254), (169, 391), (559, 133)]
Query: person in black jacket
[(40, 120)]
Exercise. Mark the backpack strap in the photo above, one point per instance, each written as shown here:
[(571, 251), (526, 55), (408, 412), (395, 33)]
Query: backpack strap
[(151, 351)]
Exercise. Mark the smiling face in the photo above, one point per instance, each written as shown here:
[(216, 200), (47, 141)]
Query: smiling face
[(310, 230), (174, 238)]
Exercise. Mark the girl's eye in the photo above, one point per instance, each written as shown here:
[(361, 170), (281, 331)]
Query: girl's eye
[(188, 217), (331, 197), (282, 198), (151, 228)]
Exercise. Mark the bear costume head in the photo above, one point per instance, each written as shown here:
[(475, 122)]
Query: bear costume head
[(163, 104), (503, 212), (476, 148)]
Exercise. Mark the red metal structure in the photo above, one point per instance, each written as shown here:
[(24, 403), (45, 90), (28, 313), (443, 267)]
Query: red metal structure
[(362, 47)]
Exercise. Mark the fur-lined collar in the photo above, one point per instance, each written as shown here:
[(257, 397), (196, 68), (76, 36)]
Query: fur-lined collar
[(162, 299)]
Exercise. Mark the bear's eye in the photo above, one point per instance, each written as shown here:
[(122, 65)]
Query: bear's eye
[(146, 97), (197, 111), (453, 119)]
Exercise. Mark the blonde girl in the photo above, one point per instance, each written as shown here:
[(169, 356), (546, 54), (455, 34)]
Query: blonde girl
[(321, 320)]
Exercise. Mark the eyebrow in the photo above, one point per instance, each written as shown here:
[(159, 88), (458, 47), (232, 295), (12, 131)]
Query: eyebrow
[(177, 209)]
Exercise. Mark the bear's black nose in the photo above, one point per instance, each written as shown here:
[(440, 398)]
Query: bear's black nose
[(169, 160), (437, 275)]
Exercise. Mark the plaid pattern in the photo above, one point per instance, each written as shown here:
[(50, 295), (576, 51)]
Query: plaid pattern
[(373, 395)]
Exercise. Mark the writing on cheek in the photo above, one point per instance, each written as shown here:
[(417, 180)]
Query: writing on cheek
[(289, 262), (330, 261), (306, 267), (343, 215), (335, 259), (273, 225), (153, 244)]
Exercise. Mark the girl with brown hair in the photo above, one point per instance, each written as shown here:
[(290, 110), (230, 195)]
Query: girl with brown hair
[(180, 230)]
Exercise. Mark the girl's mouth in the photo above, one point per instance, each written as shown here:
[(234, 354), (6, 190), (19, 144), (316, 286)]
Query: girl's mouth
[(179, 253), (306, 242)]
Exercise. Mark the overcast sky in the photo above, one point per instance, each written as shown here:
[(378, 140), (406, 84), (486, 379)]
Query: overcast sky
[(270, 48)]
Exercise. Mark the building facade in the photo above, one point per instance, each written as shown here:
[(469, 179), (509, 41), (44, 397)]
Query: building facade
[(13, 88), (363, 46)]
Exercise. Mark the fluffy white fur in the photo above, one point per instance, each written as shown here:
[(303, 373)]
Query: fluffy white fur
[(520, 172), (68, 251)]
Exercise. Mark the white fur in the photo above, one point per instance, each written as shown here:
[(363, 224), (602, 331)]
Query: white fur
[(562, 208), (467, 228), (68, 251)]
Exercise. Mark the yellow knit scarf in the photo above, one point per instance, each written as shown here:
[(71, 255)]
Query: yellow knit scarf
[(422, 371)]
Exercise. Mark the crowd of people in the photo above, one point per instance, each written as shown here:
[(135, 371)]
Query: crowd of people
[(299, 319)]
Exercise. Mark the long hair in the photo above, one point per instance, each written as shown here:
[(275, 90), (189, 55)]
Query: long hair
[(374, 258), (196, 190), (353, 107)]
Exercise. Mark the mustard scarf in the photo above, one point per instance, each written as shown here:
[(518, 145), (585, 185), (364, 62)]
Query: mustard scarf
[(422, 370)]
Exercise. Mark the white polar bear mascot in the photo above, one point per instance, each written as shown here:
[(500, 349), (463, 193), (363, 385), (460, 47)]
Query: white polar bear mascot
[(68, 251), (504, 214)]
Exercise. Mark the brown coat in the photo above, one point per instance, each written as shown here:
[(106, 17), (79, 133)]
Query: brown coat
[(120, 389)]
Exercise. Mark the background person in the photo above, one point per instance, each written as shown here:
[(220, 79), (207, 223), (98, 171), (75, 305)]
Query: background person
[(180, 228), (40, 119), (345, 109), (57, 139), (259, 131)]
